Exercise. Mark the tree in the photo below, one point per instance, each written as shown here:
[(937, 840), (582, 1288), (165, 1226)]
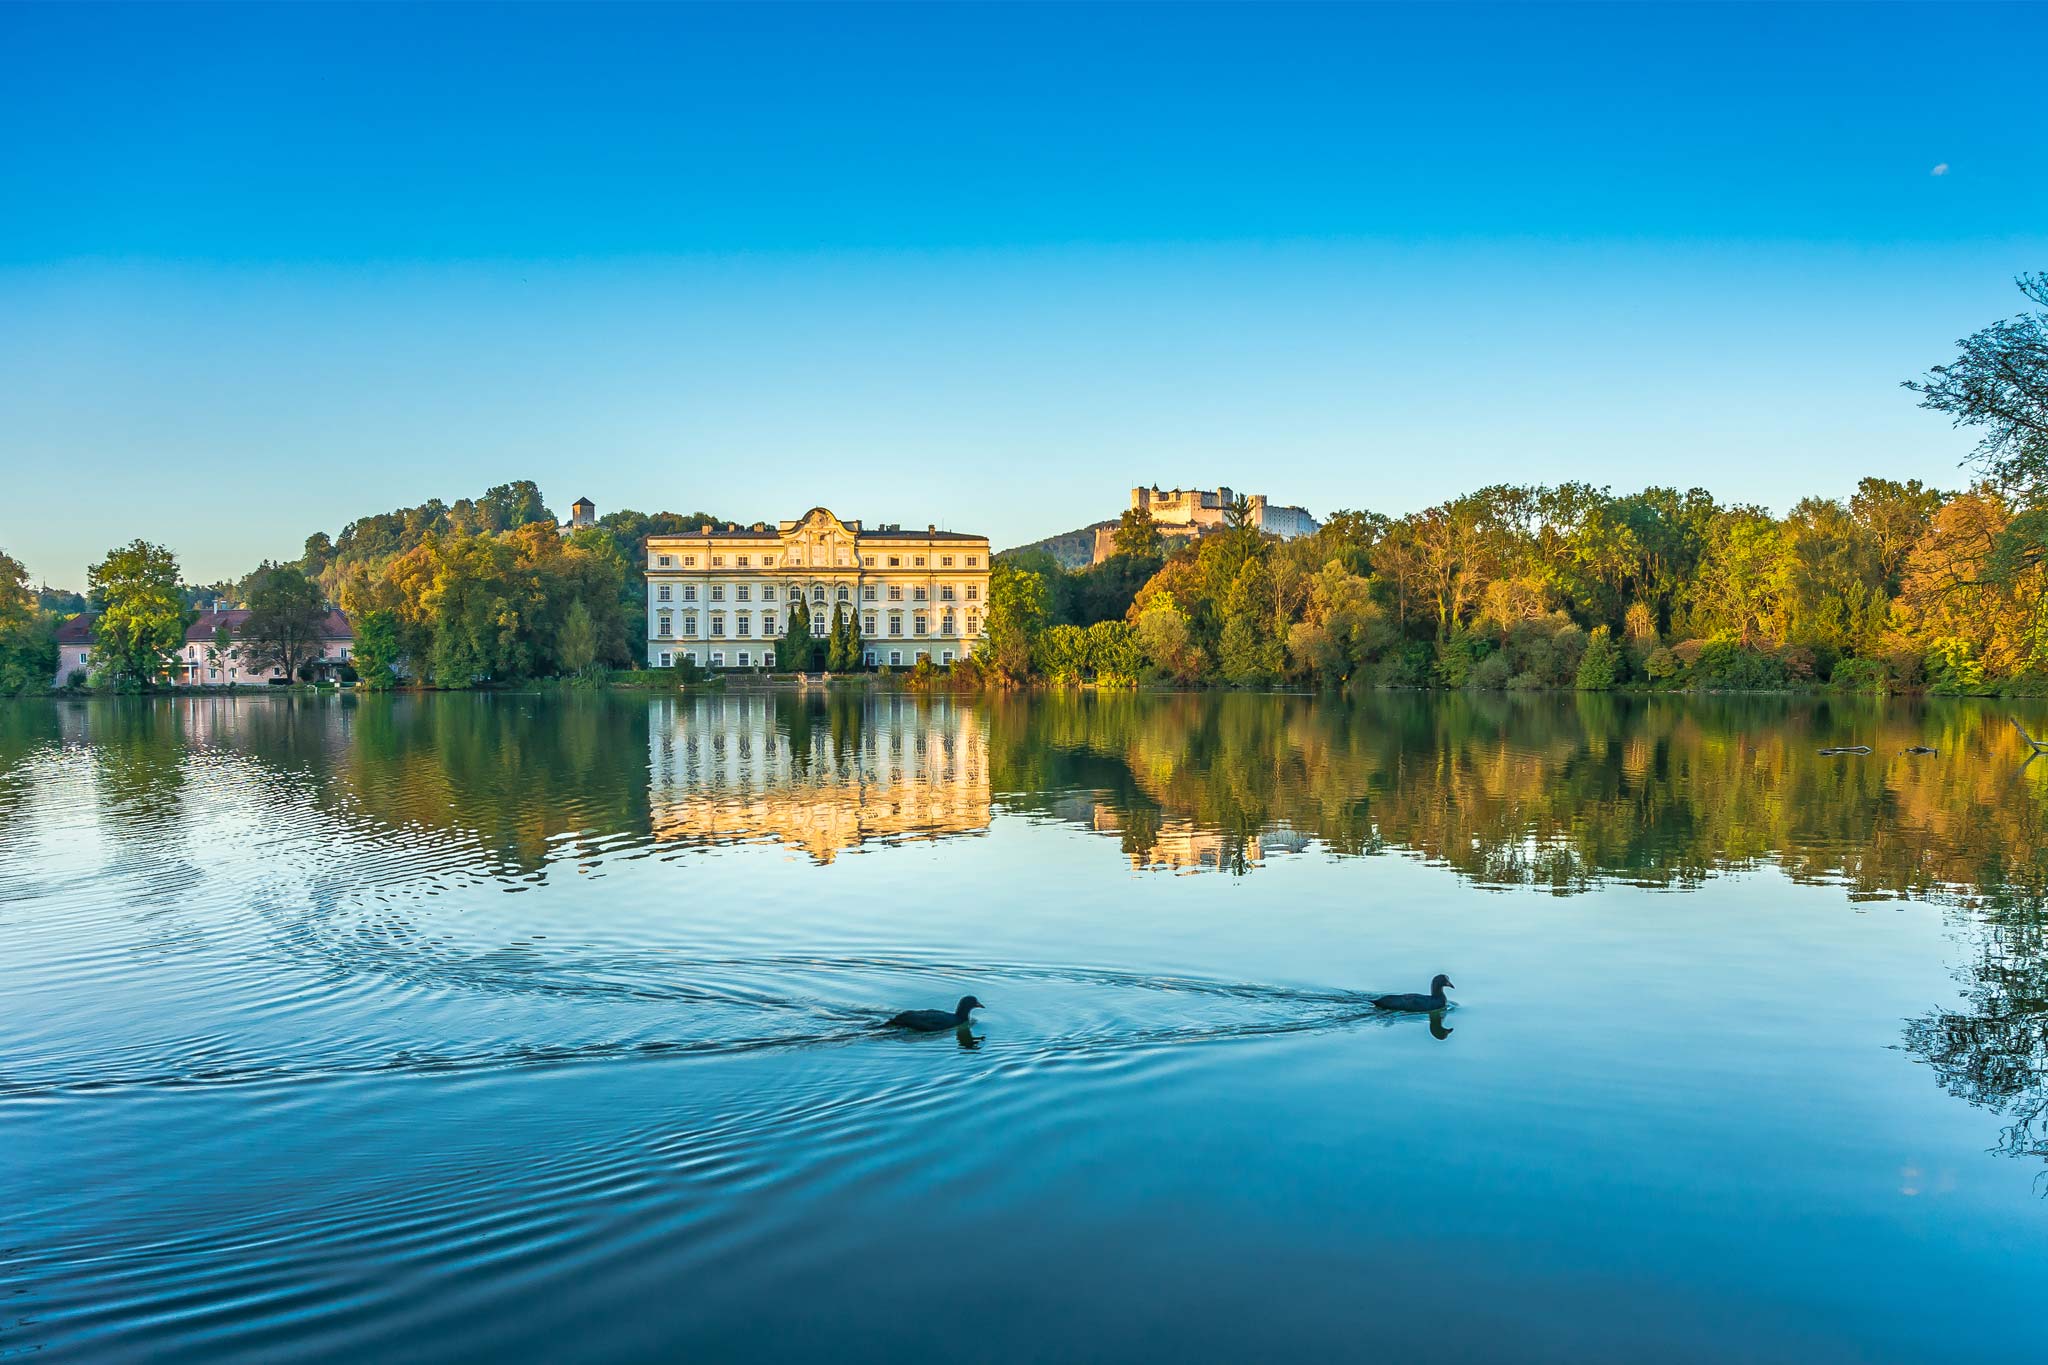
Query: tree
[(28, 639), (1136, 534), (1600, 665), (1998, 383), (1016, 614), (1061, 654), (141, 615), (377, 649), (578, 646), (286, 617), (1114, 654), (795, 650), (1251, 652), (1167, 639)]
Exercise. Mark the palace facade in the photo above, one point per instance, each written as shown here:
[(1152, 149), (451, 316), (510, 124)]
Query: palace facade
[(720, 598)]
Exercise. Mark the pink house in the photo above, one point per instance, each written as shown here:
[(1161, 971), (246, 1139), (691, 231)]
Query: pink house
[(201, 662)]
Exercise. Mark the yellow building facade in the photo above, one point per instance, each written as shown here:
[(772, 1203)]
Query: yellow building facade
[(721, 598)]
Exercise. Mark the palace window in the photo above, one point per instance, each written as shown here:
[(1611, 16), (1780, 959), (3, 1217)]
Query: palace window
[(691, 655), (817, 592), (718, 658), (768, 562), (973, 623), (845, 593), (690, 562), (895, 623), (972, 560), (867, 624), (974, 592), (661, 594), (819, 625), (767, 658), (742, 624), (690, 626), (946, 656), (740, 562), (768, 623), (689, 592), (718, 561), (945, 592), (664, 625), (717, 624), (895, 658), (868, 560), (918, 562), (718, 592), (946, 624), (743, 593), (917, 594), (867, 656), (894, 562), (667, 659), (921, 621), (945, 561), (661, 561), (868, 592), (743, 658), (895, 592)]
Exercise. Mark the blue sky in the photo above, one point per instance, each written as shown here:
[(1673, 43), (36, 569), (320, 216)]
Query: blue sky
[(266, 270)]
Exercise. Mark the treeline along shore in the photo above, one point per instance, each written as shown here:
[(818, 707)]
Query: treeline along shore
[(1889, 586)]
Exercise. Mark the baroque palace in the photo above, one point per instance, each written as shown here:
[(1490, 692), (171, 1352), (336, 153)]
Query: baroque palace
[(720, 598)]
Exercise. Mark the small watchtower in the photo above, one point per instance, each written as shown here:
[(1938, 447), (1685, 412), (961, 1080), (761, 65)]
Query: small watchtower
[(582, 512)]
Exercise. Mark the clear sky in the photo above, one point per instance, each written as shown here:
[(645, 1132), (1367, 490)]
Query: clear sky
[(264, 270)]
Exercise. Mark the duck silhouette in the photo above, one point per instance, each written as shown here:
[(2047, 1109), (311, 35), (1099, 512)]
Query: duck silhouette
[(937, 1021), (1417, 1004)]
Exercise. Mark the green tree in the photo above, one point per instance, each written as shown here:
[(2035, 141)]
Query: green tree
[(1168, 640), (1600, 666), (28, 639), (1061, 654), (1136, 534), (1017, 600), (797, 646), (1114, 654), (285, 621), (578, 645), (377, 650), (1251, 653), (141, 619), (1998, 383)]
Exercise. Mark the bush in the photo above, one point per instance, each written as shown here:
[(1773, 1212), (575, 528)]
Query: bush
[(1490, 674), (1600, 665), (1723, 663), (76, 680), (1662, 664), (1526, 682), (1860, 675), (1954, 669)]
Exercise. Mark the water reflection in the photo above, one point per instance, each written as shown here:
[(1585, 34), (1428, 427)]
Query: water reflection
[(821, 775)]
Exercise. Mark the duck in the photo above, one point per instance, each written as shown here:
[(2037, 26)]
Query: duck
[(1916, 749), (1417, 1004), (937, 1021)]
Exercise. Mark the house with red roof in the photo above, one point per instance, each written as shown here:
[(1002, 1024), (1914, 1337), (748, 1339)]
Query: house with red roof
[(202, 661)]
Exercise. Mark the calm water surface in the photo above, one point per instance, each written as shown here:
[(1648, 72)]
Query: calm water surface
[(488, 1027)]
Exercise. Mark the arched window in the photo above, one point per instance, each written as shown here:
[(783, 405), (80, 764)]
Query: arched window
[(845, 593), (817, 592)]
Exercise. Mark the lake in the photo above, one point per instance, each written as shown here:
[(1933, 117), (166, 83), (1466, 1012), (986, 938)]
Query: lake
[(480, 1027)]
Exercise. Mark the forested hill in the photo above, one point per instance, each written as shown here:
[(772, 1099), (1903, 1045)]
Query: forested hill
[(1073, 549)]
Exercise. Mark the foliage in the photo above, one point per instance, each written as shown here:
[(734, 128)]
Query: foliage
[(28, 638), (1998, 383), (377, 650), (1600, 666), (283, 628), (141, 615), (793, 653), (1017, 602)]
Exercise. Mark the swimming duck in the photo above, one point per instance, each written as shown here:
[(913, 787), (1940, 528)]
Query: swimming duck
[(937, 1021), (1916, 749), (1417, 1004)]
